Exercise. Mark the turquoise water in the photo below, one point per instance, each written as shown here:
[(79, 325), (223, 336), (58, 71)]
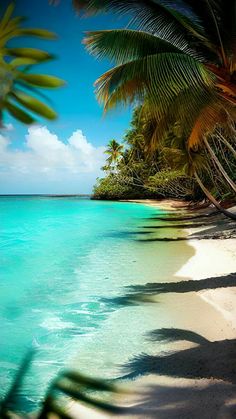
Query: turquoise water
[(59, 256)]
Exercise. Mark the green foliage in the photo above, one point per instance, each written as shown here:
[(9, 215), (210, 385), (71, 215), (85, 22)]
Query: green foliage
[(114, 152), (113, 187), (173, 184), (139, 174), (169, 171), (19, 87), (67, 386), (179, 63), (178, 60)]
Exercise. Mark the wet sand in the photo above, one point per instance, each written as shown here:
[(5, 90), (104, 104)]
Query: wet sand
[(210, 313)]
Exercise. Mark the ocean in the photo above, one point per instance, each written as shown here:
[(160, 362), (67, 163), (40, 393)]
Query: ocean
[(63, 260)]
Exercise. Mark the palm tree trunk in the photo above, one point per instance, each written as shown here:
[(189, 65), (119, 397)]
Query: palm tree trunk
[(212, 199), (219, 165), (224, 141)]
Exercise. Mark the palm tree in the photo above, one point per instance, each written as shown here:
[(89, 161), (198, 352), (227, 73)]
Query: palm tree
[(196, 165), (180, 60), (19, 87), (114, 151)]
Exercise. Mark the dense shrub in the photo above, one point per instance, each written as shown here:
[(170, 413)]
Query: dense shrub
[(113, 187)]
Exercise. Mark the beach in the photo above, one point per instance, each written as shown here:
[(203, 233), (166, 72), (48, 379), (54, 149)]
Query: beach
[(209, 312), (146, 299)]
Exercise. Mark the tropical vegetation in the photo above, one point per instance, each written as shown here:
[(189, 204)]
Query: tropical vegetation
[(20, 93), (165, 173), (67, 386), (177, 60), (178, 64), (132, 172)]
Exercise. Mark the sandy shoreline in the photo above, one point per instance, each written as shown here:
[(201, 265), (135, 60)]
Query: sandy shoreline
[(212, 258), (164, 204), (215, 258), (212, 314)]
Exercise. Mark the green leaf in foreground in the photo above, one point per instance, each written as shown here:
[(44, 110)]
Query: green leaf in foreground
[(34, 105), (9, 400), (42, 80), (19, 114), (33, 53)]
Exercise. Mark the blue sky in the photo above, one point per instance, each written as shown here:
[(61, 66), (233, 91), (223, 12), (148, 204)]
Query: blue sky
[(81, 131)]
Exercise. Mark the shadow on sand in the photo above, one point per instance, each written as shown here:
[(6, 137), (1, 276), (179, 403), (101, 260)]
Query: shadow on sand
[(212, 401), (138, 294), (207, 360)]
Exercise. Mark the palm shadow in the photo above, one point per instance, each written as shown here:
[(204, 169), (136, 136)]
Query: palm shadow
[(137, 294), (214, 401), (208, 360), (213, 226)]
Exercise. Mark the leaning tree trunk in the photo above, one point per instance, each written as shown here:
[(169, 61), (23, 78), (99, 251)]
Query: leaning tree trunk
[(225, 142), (213, 200), (219, 165)]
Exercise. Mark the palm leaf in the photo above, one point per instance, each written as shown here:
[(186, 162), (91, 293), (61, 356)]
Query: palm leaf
[(41, 80), (39, 33), (9, 401), (125, 45), (151, 76), (80, 396), (152, 16), (91, 383), (21, 62), (205, 123), (202, 10), (15, 67), (32, 53), (18, 113), (7, 15), (33, 104), (183, 109)]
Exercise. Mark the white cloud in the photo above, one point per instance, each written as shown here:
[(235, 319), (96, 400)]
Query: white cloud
[(46, 158)]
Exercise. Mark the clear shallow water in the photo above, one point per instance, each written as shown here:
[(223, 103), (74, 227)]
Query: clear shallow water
[(59, 256)]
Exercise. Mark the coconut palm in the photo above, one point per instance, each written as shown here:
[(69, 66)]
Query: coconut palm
[(19, 87), (181, 58), (114, 151)]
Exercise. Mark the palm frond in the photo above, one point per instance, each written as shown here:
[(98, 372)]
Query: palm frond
[(151, 77), (19, 113), (210, 116), (16, 64), (32, 53), (201, 13), (179, 114), (31, 104), (124, 45), (10, 400), (41, 80), (152, 16)]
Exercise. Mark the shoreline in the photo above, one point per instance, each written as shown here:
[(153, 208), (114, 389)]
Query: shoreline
[(208, 256), (206, 263), (211, 313), (164, 204)]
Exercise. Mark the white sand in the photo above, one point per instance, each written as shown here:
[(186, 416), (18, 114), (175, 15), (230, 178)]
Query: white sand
[(211, 313), (214, 258)]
